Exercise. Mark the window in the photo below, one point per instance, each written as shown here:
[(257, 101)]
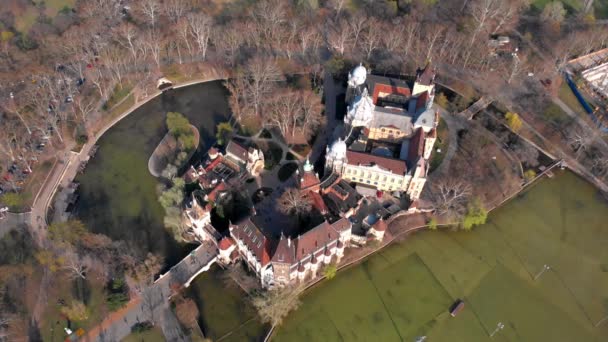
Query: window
[(382, 130)]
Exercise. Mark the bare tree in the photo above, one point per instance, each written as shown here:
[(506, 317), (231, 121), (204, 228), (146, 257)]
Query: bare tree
[(74, 264), (274, 305), (200, 29), (339, 35), (150, 10), (125, 35), (175, 9), (262, 73), (371, 38), (450, 195), (293, 202), (580, 140)]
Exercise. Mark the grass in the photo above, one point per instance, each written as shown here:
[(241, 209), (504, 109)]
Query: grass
[(152, 335), (122, 107), (52, 321), (567, 96), (555, 114), (119, 93), (404, 291), (27, 18), (441, 143)]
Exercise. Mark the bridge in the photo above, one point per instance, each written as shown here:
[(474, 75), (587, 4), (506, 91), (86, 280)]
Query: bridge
[(153, 303), (476, 107)]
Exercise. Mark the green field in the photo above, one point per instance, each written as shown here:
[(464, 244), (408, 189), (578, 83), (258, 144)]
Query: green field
[(404, 292)]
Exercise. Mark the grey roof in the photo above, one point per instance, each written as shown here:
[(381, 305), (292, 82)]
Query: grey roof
[(384, 116), (426, 119)]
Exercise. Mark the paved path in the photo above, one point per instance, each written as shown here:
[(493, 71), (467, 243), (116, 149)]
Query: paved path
[(454, 124), (330, 91), (476, 107), (153, 303)]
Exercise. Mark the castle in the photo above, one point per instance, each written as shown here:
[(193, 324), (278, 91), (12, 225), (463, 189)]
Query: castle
[(390, 130)]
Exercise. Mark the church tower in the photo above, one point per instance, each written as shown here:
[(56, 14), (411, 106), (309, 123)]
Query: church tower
[(356, 83)]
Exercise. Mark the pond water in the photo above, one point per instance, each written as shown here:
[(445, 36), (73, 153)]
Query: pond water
[(117, 193)]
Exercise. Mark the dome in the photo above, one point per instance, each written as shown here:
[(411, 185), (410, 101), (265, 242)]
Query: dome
[(338, 149), (357, 76)]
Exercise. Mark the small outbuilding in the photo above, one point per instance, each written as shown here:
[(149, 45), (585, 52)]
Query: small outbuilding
[(456, 307)]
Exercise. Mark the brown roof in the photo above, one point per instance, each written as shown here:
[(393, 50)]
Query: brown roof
[(312, 240), (342, 225), (252, 237), (285, 251), (237, 149), (416, 148), (425, 76), (317, 202), (394, 165)]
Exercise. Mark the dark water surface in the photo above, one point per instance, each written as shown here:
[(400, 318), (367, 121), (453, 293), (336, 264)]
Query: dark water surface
[(117, 193)]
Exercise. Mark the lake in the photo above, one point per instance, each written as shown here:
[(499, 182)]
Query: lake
[(118, 196)]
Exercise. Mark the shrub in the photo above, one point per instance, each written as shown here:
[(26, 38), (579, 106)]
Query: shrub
[(514, 121), (442, 100), (529, 175), (224, 130), (118, 294), (330, 271), (476, 215), (432, 224)]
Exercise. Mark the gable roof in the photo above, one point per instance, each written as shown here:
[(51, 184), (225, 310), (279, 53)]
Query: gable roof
[(395, 166), (425, 76), (237, 150), (316, 238), (252, 237)]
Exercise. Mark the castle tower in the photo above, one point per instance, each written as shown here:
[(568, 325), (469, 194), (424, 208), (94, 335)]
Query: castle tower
[(356, 83), (335, 158)]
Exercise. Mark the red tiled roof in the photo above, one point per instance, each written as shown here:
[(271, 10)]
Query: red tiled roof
[(225, 243), (416, 148), (213, 164), (312, 240), (212, 196), (390, 89), (380, 225), (422, 100), (327, 251), (309, 180), (317, 202), (396, 166)]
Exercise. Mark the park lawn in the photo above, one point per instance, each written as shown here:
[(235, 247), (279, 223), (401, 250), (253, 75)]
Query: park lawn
[(491, 268), (527, 316), (152, 335)]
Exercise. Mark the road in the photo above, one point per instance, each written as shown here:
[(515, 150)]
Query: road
[(153, 302), (325, 138)]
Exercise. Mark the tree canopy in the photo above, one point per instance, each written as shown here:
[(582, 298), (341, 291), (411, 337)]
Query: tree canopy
[(476, 215)]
